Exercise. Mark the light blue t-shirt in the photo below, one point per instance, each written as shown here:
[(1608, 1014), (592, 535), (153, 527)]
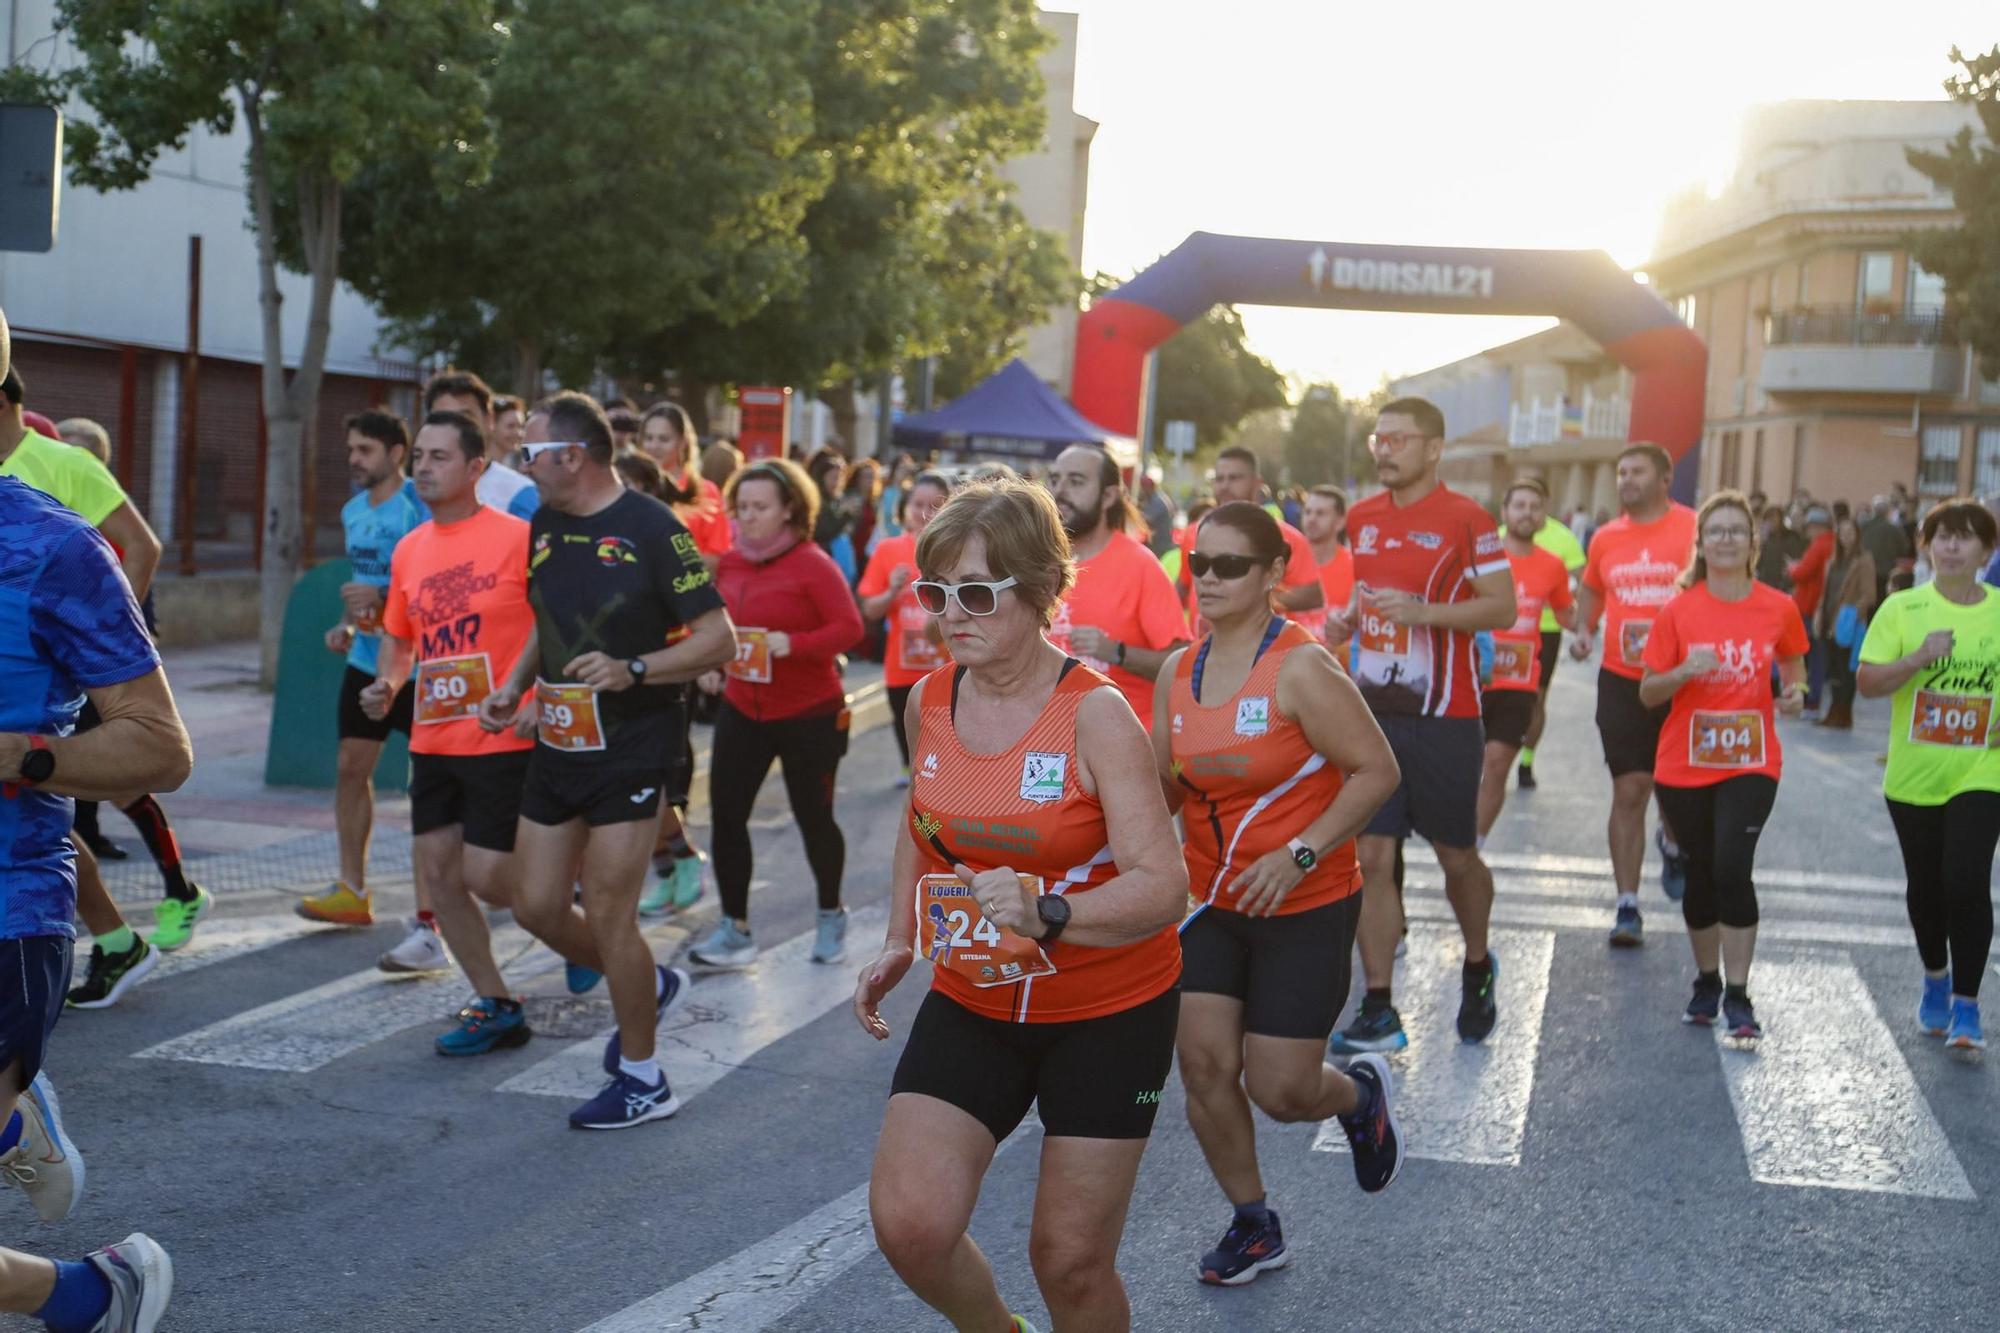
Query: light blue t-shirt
[(372, 533)]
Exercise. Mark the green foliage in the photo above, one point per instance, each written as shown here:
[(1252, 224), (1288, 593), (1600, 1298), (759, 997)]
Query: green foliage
[(1207, 374), (1967, 257), (1316, 446)]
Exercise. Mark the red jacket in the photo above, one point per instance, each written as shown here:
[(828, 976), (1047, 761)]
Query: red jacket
[(803, 593), (1809, 574)]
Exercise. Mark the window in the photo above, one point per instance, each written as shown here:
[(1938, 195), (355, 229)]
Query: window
[(1873, 291), (1986, 463), (1937, 462), (1926, 294), (1803, 264), (1726, 471), (1757, 461), (1685, 308)]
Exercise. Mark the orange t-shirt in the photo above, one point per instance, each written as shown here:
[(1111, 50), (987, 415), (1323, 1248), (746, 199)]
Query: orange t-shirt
[(1719, 726), (1636, 569), (706, 520), (1123, 591), (1301, 570), (459, 594), (1253, 779), (912, 652), (1540, 580), (1026, 809)]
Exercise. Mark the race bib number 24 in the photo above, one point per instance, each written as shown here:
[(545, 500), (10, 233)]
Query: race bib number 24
[(954, 934)]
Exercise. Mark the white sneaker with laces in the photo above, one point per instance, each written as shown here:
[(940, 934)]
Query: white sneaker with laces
[(45, 1164), (142, 1282), (422, 950)]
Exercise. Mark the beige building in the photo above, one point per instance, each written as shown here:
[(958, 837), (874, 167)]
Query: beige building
[(1831, 364), (1052, 187)]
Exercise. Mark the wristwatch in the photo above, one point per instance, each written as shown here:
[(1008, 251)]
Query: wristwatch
[(1303, 854), (1121, 654), (637, 666), (1053, 909), (38, 765)]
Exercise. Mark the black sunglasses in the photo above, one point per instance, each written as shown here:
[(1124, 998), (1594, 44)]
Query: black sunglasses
[(1225, 566)]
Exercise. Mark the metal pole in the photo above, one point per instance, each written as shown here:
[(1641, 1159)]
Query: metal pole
[(190, 409)]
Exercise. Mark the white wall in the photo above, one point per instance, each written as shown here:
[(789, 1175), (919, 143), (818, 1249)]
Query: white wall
[(1051, 186)]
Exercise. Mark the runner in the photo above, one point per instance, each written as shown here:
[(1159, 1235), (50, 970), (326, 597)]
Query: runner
[(80, 635), (458, 613), (1429, 573), (1710, 653), (1555, 538), (1324, 522), (914, 647), (1277, 774), (1936, 648), (1634, 567), (501, 486), (611, 574), (781, 700), (379, 516), (1032, 747), (1510, 701), (1236, 478), (1121, 615)]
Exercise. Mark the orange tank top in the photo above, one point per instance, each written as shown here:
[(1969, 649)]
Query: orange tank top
[(1253, 780), (1026, 809)]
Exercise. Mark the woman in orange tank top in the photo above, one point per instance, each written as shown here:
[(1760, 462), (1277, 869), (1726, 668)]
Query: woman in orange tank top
[(1275, 763), (1037, 873)]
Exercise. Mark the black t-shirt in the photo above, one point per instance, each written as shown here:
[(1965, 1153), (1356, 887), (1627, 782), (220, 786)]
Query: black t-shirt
[(617, 582)]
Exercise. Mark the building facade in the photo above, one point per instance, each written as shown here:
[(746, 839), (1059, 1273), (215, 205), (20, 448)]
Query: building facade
[(1052, 189)]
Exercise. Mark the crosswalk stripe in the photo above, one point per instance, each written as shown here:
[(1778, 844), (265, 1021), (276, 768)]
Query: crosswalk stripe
[(728, 1018), (220, 939), (1795, 903), (1826, 1098), (1599, 868), (1455, 1101), (1513, 910)]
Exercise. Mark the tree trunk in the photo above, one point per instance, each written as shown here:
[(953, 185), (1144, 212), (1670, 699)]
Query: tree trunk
[(691, 392), (528, 369), (845, 415), (283, 462)]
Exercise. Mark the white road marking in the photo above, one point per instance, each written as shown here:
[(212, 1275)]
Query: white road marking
[(728, 1018), (219, 939), (1793, 904), (1455, 1101), (1418, 852), (1430, 906), (1826, 1099)]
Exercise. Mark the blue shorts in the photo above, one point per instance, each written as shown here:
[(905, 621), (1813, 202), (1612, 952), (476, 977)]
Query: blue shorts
[(34, 980)]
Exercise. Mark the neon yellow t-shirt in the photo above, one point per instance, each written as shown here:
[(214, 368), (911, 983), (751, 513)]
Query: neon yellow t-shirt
[(1944, 724), (1560, 542), (67, 475)]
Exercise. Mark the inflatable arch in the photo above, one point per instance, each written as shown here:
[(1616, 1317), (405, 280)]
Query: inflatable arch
[(1668, 362)]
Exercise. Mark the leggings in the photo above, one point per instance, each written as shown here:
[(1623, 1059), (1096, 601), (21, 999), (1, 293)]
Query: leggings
[(1717, 828), (1948, 857), (899, 695), (809, 748)]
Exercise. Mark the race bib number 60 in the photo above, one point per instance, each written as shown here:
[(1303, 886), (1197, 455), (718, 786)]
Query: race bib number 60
[(452, 687), (954, 934), (567, 717), (1937, 718)]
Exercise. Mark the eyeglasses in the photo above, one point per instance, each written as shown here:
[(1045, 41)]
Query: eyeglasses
[(528, 453), (1727, 534), (1225, 566), (1394, 440), (975, 599)]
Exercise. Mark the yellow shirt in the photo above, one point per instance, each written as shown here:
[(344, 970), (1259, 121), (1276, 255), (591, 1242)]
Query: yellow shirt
[(67, 475)]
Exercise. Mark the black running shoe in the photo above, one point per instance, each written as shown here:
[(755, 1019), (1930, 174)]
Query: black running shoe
[(1628, 930), (112, 974), (1477, 1007), (1524, 777), (1376, 1142), (1705, 1004), (1378, 1027), (1246, 1250), (103, 848), (1739, 1018)]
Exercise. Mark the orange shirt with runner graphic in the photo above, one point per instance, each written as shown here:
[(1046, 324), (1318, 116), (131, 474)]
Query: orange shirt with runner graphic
[(458, 592), (1253, 781), (912, 653), (1025, 808), (1635, 568), (1123, 591), (1720, 725), (1540, 580)]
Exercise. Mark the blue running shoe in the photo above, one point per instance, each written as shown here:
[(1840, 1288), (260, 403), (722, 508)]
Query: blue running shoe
[(1628, 931), (1247, 1249), (1934, 1010), (1375, 1139), (625, 1102), (1965, 1033), (1673, 867), (581, 980), (484, 1025), (673, 989), (1375, 1028)]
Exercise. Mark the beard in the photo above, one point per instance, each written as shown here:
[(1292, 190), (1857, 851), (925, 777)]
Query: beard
[(1079, 523)]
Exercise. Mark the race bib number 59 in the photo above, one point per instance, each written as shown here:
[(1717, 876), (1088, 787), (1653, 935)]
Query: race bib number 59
[(567, 717), (954, 934), (1937, 718)]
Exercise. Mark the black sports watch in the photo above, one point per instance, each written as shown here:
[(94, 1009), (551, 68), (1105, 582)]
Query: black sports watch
[(1303, 854), (637, 666), (1053, 909), (38, 765)]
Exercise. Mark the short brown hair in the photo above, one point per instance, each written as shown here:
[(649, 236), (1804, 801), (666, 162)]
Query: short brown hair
[(1662, 461), (1524, 484), (1420, 410), (1962, 516), (457, 383), (1329, 491), (795, 491), (1024, 538)]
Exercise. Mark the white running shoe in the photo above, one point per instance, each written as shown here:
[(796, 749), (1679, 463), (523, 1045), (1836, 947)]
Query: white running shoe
[(830, 937), (422, 950), (142, 1282), (726, 946), (45, 1164)]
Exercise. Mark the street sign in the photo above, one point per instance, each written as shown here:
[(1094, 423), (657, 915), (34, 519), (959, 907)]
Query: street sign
[(1180, 438), (30, 176)]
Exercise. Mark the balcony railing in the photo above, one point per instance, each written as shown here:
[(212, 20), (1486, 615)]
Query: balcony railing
[(1538, 422), (1832, 326)]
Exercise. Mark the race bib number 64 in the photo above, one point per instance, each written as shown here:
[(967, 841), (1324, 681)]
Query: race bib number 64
[(954, 934)]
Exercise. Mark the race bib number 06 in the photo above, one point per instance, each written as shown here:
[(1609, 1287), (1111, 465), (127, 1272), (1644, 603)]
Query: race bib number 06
[(1937, 718), (567, 717), (954, 934), (1725, 740), (753, 657), (452, 687)]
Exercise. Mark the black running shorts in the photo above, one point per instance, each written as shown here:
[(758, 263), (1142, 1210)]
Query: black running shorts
[(1291, 972), (1438, 798), (1630, 730), (1508, 715), (1094, 1078), (34, 980), (356, 725), (479, 792), (562, 787)]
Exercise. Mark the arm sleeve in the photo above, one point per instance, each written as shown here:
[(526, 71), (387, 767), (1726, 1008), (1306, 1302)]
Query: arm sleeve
[(1593, 577), (1560, 596), (842, 629), (1792, 639), (1663, 645), (1488, 555), (1814, 561), (81, 615), (1884, 641), (1161, 619), (681, 579), (1301, 569), (396, 606), (525, 502), (875, 578)]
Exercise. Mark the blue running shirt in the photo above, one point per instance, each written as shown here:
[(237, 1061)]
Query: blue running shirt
[(372, 533)]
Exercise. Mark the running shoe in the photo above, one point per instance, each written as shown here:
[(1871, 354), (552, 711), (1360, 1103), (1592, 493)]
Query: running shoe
[(1628, 931), (1524, 777), (1374, 1138), (1021, 1325), (174, 921), (142, 1282), (1478, 1008), (45, 1164), (654, 901), (103, 848), (1739, 1018), (1375, 1028), (422, 950), (830, 937), (903, 778), (1673, 867), (728, 945), (1247, 1249), (581, 980), (1705, 1003), (1965, 1033), (625, 1102), (338, 906), (677, 890), (484, 1025), (673, 987), (111, 975), (1934, 1009)]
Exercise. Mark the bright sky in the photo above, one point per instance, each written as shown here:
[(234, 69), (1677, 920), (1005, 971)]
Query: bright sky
[(1558, 123)]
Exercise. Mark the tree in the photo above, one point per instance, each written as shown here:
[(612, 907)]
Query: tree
[(1316, 445), (322, 87), (1967, 256), (1207, 374)]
